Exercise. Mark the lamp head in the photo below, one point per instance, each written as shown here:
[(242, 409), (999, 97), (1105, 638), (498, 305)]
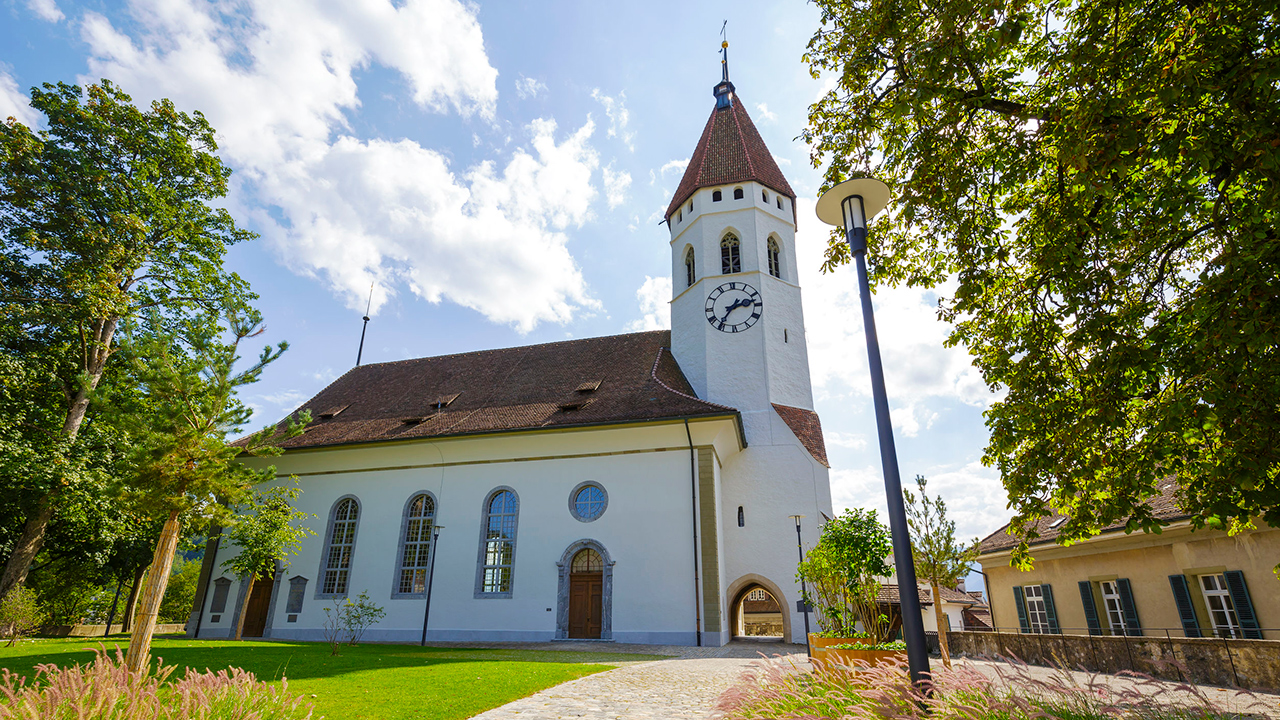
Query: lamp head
[(874, 194), (796, 518)]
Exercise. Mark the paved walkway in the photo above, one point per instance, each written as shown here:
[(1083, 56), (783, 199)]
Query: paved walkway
[(682, 688)]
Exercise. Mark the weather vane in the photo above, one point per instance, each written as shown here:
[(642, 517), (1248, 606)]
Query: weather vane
[(724, 50)]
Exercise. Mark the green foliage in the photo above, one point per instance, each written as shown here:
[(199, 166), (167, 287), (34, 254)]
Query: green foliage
[(264, 532), (180, 593), (1093, 190), (939, 558), (841, 571), (20, 614), (350, 618)]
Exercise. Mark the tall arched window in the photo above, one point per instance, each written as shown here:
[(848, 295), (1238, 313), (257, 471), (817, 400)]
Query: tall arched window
[(775, 259), (690, 268), (415, 545), (730, 259), (498, 543), (340, 544)]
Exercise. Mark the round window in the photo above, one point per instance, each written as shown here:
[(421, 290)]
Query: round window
[(588, 501)]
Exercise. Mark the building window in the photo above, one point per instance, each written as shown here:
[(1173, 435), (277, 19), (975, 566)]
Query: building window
[(737, 193), (588, 501), (339, 546), (691, 205), (498, 543), (775, 259), (779, 199), (1114, 610), (690, 268), (679, 216), (1222, 611), (716, 196), (764, 195), (1037, 614), (586, 561), (415, 545), (730, 259), (742, 517)]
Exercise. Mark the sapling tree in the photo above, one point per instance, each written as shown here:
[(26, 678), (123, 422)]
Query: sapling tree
[(267, 530), (190, 473), (842, 571), (939, 559)]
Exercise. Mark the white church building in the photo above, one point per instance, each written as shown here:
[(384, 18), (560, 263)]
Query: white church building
[(633, 488)]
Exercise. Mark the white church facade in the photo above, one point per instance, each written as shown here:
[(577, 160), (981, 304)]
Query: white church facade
[(633, 488)]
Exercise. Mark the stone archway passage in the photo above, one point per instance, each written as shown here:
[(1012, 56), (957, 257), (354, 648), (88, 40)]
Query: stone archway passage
[(740, 588), (757, 613), (585, 596)]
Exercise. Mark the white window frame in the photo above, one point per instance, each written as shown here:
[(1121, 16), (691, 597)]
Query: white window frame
[(1222, 610), (1037, 611), (1112, 606)]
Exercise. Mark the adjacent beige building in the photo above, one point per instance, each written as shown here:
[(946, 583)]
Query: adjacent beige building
[(1188, 584)]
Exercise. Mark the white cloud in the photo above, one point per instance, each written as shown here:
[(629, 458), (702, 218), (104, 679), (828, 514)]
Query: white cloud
[(765, 114), (615, 186), (918, 367), (46, 10), (853, 441), (677, 166), (975, 499), (616, 109), (781, 160), (15, 104), (278, 83), (655, 297), (527, 87)]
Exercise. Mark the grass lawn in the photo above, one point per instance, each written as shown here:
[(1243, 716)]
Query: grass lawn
[(390, 682)]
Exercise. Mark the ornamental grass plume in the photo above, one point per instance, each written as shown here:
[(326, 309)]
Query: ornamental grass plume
[(780, 690), (106, 689)]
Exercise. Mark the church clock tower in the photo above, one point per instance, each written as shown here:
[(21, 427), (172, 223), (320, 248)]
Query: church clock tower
[(737, 327)]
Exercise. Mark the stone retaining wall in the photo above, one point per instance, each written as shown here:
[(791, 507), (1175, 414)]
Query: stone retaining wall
[(97, 630), (1251, 664)]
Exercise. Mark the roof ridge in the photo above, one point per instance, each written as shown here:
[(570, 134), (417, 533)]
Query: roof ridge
[(653, 373), (490, 351)]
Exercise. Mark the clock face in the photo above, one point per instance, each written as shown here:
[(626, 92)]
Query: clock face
[(733, 307)]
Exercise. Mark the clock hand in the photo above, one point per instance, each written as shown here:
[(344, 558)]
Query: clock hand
[(740, 302)]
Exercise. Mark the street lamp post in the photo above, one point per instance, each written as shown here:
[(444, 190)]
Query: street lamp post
[(431, 574), (804, 591), (851, 205)]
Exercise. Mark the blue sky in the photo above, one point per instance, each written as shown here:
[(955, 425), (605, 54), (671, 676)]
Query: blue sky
[(497, 171)]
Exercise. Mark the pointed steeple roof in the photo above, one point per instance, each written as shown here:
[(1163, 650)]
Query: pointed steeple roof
[(730, 151)]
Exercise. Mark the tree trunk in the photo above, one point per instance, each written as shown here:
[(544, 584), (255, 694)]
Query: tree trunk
[(139, 656), (115, 603), (28, 543), (942, 626), (130, 605), (244, 608)]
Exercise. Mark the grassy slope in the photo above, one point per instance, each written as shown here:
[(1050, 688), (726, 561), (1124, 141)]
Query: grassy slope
[(389, 682)]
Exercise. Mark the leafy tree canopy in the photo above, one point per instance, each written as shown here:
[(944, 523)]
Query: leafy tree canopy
[(1092, 189)]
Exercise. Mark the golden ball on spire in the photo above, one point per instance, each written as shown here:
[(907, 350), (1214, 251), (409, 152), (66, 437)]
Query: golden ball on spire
[(724, 44)]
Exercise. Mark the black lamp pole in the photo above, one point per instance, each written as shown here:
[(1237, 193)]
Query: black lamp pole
[(859, 200), (431, 573), (804, 591)]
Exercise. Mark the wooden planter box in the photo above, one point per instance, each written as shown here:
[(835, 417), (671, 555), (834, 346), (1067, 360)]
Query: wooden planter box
[(822, 650)]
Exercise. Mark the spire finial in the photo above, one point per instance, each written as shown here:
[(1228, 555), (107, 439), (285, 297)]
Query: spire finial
[(724, 90)]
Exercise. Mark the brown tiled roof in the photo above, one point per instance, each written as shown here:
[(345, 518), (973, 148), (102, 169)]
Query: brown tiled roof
[(730, 151), (976, 619), (1164, 506), (593, 381), (889, 595), (807, 427)]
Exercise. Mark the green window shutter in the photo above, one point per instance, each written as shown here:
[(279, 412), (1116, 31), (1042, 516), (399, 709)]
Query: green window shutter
[(1049, 609), (1186, 611), (1023, 623), (1090, 610), (1132, 626), (1244, 605)]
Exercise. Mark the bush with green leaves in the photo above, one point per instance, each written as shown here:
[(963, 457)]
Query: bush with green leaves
[(20, 614), (349, 619), (841, 572)]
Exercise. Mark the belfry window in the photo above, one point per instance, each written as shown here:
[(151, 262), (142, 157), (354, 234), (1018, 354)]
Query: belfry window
[(730, 259), (498, 544), (764, 195), (775, 259), (690, 268), (737, 193), (779, 202)]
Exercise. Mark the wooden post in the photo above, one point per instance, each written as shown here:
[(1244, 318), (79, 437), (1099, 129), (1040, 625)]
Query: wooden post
[(139, 657)]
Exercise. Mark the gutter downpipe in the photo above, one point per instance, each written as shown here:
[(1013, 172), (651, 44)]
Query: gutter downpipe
[(697, 580)]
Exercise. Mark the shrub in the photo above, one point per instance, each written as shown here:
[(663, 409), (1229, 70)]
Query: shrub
[(350, 619), (180, 593), (841, 571), (107, 690), (20, 614), (778, 690)]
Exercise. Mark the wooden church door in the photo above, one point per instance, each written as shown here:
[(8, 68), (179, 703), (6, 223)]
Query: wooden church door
[(255, 619), (586, 594)]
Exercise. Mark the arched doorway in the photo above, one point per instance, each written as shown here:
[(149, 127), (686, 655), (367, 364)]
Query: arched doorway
[(586, 592), (757, 614)]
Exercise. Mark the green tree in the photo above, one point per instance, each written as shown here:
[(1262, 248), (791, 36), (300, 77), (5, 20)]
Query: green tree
[(264, 532), (1093, 191), (180, 593), (842, 570), (190, 474), (104, 214), (940, 560)]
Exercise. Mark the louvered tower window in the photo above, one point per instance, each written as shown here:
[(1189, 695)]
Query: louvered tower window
[(775, 259), (690, 268), (730, 259)]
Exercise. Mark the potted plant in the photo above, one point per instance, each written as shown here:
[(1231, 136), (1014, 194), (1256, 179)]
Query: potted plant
[(840, 574)]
